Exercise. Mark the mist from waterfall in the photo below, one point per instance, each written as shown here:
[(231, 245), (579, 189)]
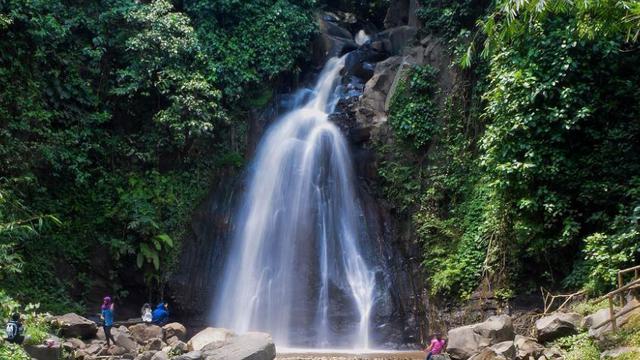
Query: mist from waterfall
[(295, 268)]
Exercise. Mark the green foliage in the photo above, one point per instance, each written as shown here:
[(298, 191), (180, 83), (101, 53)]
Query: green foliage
[(36, 327), (251, 42), (113, 119), (586, 308), (604, 254), (510, 20), (579, 347), (401, 182), (449, 18), (552, 141), (13, 352), (373, 11), (535, 181), (18, 224), (413, 112)]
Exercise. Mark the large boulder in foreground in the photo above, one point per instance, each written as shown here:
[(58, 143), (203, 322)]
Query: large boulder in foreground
[(75, 326), (210, 335), (250, 346), (470, 340), (557, 325)]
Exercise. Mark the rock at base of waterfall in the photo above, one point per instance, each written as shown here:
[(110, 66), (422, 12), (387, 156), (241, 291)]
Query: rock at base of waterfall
[(557, 325), (470, 340), (175, 329), (250, 346), (74, 343), (527, 347), (506, 348), (488, 354), (74, 325), (154, 344), (115, 350), (441, 357), (147, 355), (193, 355), (145, 332), (160, 355), (208, 336), (126, 341), (44, 352)]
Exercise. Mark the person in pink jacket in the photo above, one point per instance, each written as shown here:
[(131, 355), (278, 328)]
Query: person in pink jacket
[(435, 347)]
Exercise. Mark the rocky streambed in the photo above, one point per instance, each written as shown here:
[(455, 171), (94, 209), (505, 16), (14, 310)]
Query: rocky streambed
[(415, 355)]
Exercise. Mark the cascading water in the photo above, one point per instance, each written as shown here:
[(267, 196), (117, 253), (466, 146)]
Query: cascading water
[(296, 268)]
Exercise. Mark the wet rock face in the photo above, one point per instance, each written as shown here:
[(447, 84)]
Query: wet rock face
[(398, 316), (203, 252), (402, 12), (332, 40)]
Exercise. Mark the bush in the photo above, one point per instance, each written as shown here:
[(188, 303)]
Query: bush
[(579, 347), (12, 352), (413, 111)]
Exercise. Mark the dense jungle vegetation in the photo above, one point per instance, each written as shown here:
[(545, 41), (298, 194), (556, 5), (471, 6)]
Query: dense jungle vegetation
[(117, 115), (528, 173)]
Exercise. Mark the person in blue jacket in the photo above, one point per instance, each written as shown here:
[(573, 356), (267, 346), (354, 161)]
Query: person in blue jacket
[(107, 319), (161, 314)]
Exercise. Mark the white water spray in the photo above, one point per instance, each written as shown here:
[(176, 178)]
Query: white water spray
[(295, 268)]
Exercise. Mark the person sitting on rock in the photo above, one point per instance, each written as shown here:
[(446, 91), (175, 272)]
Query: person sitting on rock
[(146, 314), (161, 314), (107, 319), (435, 347), (15, 330)]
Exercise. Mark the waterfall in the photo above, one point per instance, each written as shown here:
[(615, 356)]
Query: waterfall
[(296, 267)]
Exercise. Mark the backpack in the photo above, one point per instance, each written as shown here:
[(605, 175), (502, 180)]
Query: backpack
[(12, 330)]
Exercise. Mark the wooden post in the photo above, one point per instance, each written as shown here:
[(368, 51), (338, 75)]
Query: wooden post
[(635, 277), (621, 296), (612, 315)]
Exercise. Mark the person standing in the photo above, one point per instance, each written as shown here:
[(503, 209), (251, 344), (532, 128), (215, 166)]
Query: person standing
[(435, 347), (107, 319)]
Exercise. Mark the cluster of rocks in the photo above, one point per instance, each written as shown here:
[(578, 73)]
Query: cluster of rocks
[(495, 338), (84, 340)]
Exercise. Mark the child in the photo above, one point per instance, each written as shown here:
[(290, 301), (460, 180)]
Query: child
[(146, 315)]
